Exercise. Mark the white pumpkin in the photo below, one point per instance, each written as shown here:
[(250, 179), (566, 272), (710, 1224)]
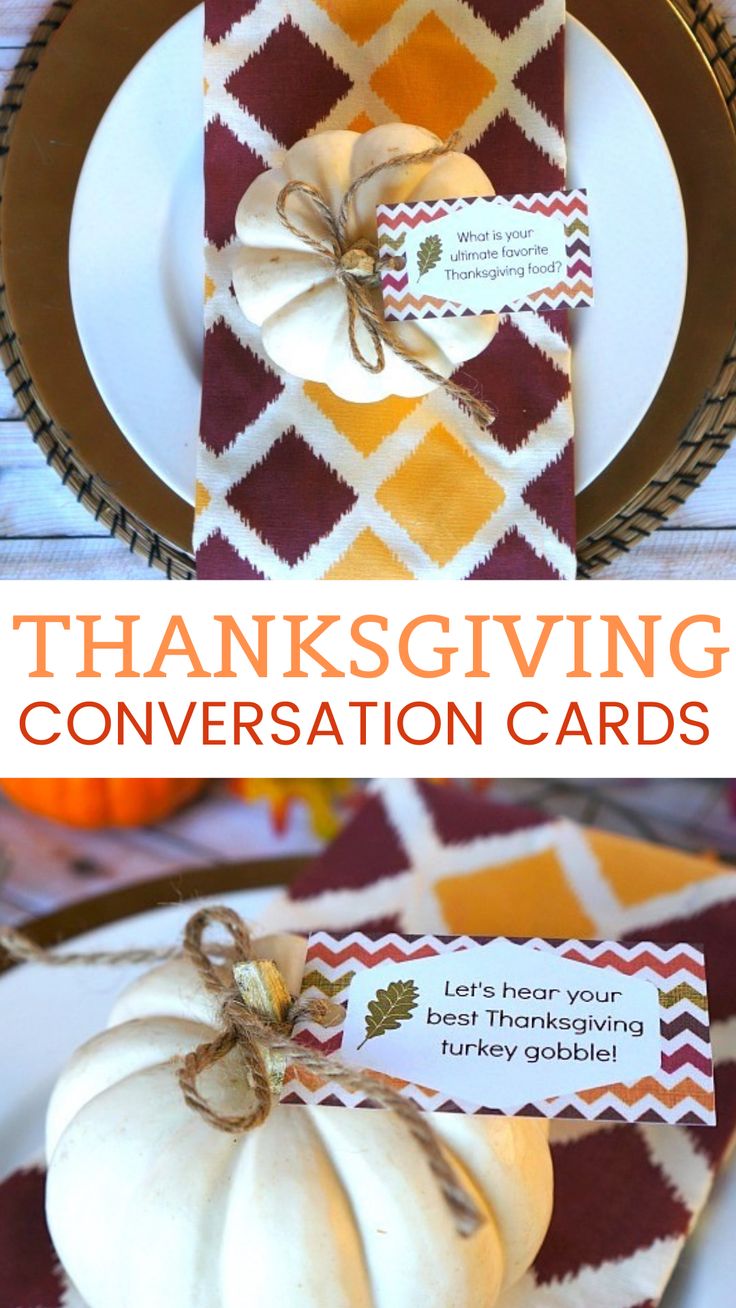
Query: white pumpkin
[(291, 292), (149, 1206)]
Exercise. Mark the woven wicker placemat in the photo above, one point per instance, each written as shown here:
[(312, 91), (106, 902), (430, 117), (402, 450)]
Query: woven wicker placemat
[(703, 442), (56, 444)]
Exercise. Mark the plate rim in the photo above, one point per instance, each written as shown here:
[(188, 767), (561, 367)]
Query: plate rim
[(75, 253)]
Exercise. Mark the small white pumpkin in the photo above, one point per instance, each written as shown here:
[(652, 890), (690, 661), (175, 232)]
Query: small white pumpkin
[(149, 1206), (291, 292)]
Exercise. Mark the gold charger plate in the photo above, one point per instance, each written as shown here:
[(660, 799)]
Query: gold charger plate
[(685, 75)]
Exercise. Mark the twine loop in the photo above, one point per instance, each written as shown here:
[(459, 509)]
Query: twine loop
[(358, 269), (257, 1040)]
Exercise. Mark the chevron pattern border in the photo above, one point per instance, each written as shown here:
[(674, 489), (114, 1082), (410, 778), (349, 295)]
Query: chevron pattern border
[(573, 290), (683, 1094)]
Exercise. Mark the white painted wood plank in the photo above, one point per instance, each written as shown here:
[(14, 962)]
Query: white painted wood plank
[(45, 864), (10, 912), (40, 854), (18, 19), (17, 449), (8, 406), (66, 558), (678, 555), (668, 554), (8, 60), (232, 829), (34, 503)]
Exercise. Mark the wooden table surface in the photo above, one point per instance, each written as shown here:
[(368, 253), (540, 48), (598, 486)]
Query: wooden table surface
[(45, 533)]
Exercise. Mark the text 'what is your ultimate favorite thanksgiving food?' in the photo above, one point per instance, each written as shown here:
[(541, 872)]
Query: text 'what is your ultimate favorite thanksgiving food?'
[(150, 1203), (307, 270)]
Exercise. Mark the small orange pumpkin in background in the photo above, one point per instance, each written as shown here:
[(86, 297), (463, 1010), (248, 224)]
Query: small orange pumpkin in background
[(103, 801)]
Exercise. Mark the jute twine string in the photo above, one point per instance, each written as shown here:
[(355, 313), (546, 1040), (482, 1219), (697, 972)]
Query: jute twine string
[(248, 1033), (358, 267)]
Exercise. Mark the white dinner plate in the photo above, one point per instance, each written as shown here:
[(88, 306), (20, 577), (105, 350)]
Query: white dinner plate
[(136, 262), (73, 1003)]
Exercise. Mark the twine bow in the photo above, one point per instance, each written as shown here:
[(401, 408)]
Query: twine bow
[(358, 268), (264, 1043)]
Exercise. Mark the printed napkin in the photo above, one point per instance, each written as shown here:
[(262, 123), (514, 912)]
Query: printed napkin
[(422, 858), (293, 482)]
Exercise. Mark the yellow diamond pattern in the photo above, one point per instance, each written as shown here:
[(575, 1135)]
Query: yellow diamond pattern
[(638, 871), (365, 425), (361, 123), (367, 558), (360, 19), (434, 70), (417, 495), (202, 498), (528, 896)]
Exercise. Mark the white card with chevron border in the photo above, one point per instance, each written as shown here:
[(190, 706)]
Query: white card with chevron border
[(593, 1030), (485, 254)]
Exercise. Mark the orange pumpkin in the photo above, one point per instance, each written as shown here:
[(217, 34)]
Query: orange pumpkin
[(102, 801)]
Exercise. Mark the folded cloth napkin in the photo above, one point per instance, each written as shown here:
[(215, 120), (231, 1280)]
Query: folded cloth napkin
[(293, 482), (417, 858), (422, 858)]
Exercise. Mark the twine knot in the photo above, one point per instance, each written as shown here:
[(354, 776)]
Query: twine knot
[(359, 261), (257, 1016), (358, 269)]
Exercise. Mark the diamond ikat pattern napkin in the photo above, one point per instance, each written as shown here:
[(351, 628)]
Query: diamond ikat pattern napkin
[(293, 482), (421, 858)]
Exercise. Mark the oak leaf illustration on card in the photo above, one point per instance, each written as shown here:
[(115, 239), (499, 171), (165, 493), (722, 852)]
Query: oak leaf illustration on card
[(392, 1006), (429, 254)]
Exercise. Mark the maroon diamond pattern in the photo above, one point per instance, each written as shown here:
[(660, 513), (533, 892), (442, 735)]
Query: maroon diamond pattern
[(291, 498), (522, 382), (379, 926), (514, 162), (559, 321), (238, 387), (542, 83), (549, 495), (586, 1232), (459, 816), (503, 16), (30, 1276), (220, 17), (218, 559), (512, 558), (231, 167), (715, 1141), (717, 925), (289, 59), (381, 855)]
